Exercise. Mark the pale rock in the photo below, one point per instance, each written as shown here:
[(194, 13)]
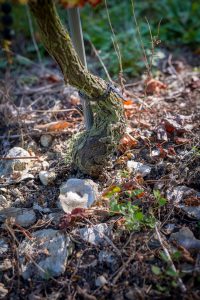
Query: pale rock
[(26, 218), (46, 140), (95, 234), (77, 193), (9, 212), (45, 165), (138, 167), (23, 217), (3, 246), (45, 255), (186, 238), (6, 264), (178, 194), (4, 202), (47, 177), (100, 281), (3, 291), (39, 208), (7, 167), (109, 259)]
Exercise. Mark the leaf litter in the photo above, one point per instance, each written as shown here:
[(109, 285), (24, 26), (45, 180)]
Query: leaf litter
[(151, 260)]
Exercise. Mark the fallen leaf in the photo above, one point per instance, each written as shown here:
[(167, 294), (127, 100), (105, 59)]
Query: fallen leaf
[(154, 86), (74, 100), (180, 141), (127, 142), (128, 102), (53, 78), (54, 126)]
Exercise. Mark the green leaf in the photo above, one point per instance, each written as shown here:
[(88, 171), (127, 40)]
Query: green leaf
[(171, 272), (162, 201), (164, 257), (156, 270)]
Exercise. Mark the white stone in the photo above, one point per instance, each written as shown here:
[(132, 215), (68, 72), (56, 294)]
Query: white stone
[(3, 246), (95, 234), (100, 281), (46, 255), (46, 140), (178, 194), (45, 165), (136, 166), (4, 202), (47, 177), (77, 193), (26, 218), (7, 167)]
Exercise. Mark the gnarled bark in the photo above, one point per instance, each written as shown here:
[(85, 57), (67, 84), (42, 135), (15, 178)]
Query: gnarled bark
[(92, 150)]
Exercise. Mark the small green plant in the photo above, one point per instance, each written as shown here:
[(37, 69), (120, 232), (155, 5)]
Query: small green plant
[(135, 219), (196, 151), (160, 201)]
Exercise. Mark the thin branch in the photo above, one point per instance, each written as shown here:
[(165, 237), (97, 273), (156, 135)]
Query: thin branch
[(180, 282), (101, 61), (141, 41), (33, 36)]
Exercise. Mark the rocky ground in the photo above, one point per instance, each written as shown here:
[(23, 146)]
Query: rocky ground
[(132, 234)]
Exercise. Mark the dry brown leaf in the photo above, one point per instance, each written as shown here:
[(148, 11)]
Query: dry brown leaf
[(127, 142), (154, 86), (180, 141), (54, 126)]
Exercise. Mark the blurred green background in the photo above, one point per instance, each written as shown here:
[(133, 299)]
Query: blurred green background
[(179, 26)]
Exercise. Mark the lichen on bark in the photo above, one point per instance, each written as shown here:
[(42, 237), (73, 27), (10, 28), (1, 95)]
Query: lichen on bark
[(93, 148)]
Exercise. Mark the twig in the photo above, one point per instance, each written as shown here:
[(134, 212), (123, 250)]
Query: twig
[(19, 157), (180, 282), (32, 35), (117, 49), (122, 269), (101, 61), (106, 238)]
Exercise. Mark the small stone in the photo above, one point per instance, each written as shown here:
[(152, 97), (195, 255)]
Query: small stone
[(178, 194), (3, 246), (109, 259), (138, 167), (3, 291), (155, 153), (4, 202), (26, 218), (95, 234), (46, 140), (54, 217), (192, 211), (75, 193), (50, 249), (45, 165), (168, 228), (7, 167), (39, 208), (186, 238), (47, 177), (100, 281), (9, 212), (6, 264)]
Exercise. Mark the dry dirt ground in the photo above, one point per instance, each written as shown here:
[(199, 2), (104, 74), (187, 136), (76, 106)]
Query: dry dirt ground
[(163, 133)]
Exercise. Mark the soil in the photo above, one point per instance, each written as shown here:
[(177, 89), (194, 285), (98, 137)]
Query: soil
[(163, 121)]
